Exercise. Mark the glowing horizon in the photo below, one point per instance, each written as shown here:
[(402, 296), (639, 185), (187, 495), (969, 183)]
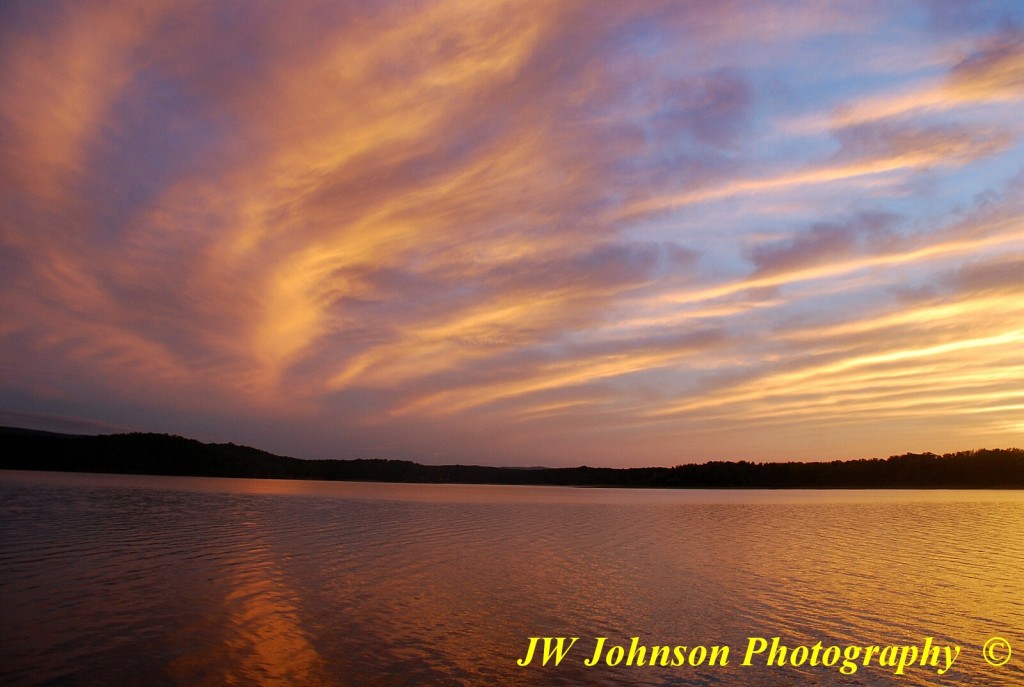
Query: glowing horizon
[(523, 233)]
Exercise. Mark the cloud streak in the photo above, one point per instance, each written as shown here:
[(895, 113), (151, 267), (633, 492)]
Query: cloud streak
[(514, 232)]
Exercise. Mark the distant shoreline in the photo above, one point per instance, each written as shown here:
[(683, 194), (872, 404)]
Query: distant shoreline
[(161, 454)]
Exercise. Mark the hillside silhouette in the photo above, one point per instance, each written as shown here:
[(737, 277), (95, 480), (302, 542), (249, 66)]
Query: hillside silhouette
[(161, 454)]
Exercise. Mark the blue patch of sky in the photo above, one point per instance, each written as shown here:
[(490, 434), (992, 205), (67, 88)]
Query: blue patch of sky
[(956, 16), (153, 135), (827, 75)]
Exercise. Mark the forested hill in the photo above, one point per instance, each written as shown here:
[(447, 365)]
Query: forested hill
[(160, 454)]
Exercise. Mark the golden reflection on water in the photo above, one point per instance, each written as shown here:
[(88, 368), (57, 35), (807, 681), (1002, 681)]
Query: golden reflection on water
[(262, 638), (263, 641)]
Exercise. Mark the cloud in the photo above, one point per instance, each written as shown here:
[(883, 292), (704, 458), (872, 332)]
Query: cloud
[(470, 314), (915, 146), (989, 74), (995, 70), (408, 219), (1003, 275), (711, 109), (572, 368), (820, 243)]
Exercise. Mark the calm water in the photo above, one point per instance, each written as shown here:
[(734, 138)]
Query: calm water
[(189, 581)]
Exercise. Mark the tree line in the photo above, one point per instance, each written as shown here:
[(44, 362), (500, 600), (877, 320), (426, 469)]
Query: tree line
[(162, 454)]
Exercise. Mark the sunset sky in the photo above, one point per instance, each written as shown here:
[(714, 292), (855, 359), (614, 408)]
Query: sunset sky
[(516, 233)]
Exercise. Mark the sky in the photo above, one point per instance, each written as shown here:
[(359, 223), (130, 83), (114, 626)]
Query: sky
[(516, 233)]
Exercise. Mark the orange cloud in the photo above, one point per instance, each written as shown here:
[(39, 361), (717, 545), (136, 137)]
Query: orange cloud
[(505, 216)]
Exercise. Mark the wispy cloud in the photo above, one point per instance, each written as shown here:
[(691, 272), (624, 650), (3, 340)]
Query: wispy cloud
[(515, 232)]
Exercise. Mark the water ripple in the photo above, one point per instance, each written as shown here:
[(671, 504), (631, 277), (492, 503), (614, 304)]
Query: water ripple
[(174, 581)]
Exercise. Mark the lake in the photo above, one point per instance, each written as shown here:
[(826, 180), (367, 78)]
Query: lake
[(135, 580)]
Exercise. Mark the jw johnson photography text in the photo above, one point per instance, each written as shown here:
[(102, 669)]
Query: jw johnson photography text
[(758, 651)]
